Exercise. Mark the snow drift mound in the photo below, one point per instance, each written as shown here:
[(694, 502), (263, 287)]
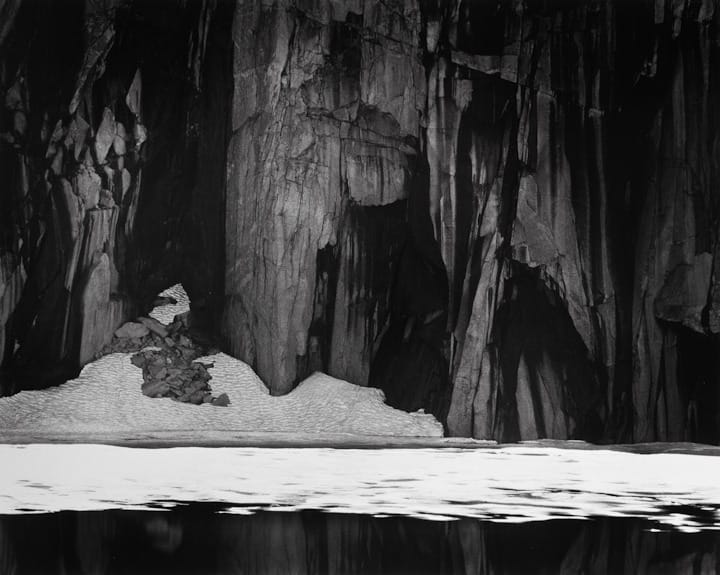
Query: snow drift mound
[(107, 398)]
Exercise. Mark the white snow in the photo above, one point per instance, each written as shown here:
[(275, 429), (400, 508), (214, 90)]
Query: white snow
[(507, 484), (107, 398), (166, 313)]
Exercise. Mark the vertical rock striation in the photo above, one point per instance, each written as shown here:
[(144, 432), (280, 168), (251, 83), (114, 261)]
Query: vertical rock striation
[(325, 134), (513, 201), (93, 194), (70, 168), (602, 244)]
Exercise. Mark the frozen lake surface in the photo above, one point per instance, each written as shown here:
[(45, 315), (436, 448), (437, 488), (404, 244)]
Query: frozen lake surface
[(499, 484)]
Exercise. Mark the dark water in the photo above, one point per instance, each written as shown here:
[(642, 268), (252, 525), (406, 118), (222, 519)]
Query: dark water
[(197, 539)]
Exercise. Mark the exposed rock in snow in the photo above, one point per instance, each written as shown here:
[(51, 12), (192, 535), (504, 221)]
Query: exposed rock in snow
[(131, 330), (154, 325), (166, 355), (170, 372)]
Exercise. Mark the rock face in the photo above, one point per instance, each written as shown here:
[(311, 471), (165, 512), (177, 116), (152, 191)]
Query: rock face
[(502, 212), (60, 241), (508, 200), (321, 155), (591, 265), (100, 143)]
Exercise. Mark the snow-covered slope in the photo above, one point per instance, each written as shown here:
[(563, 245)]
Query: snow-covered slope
[(107, 398)]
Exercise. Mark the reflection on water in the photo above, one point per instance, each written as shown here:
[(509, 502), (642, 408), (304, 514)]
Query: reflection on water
[(197, 540)]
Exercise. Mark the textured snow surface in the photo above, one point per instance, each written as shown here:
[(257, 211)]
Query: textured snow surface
[(106, 397), (166, 313), (509, 484)]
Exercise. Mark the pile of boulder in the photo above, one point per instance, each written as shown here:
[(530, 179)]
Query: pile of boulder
[(166, 354)]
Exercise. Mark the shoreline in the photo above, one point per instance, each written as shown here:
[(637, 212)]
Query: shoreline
[(281, 440)]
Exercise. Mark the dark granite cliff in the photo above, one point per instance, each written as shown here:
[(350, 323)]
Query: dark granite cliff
[(505, 212)]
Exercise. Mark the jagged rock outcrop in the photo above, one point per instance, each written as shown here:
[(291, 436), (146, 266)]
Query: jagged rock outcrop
[(555, 165), (70, 170), (99, 154)]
